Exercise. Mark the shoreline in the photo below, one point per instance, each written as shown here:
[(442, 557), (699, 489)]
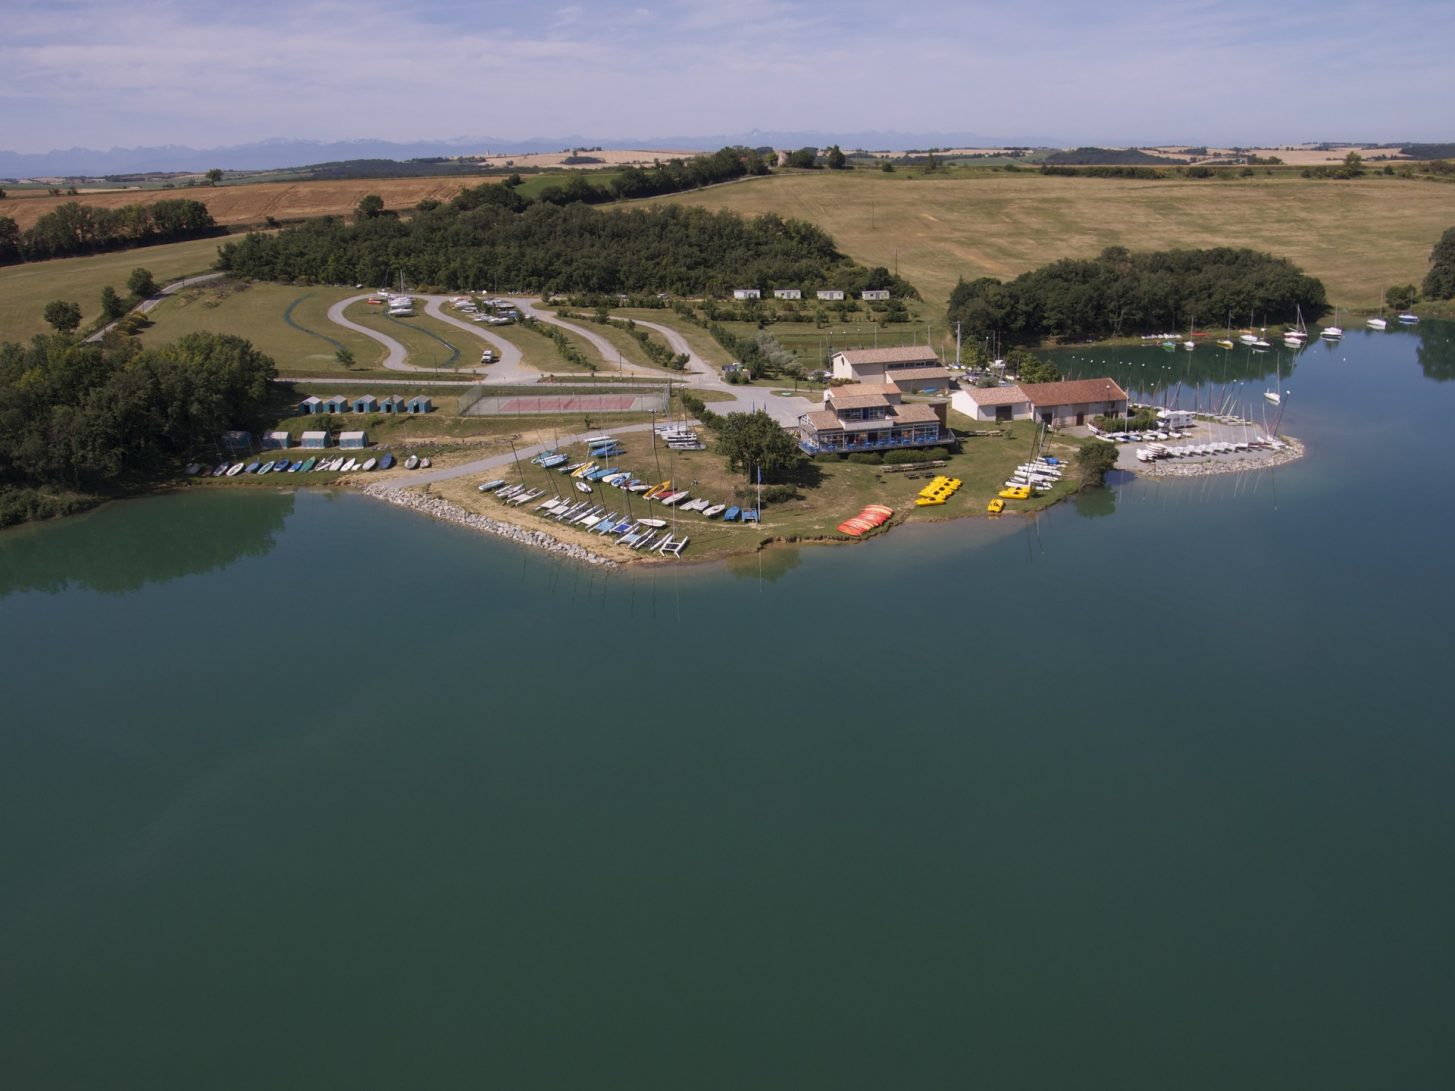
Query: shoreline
[(446, 511)]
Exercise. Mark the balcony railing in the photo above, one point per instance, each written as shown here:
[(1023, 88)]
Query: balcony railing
[(857, 444)]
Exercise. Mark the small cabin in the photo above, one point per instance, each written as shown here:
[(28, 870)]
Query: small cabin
[(787, 293), (747, 293), (420, 403), (366, 403), (277, 441), (831, 293), (353, 440), (311, 404), (391, 403), (237, 441), (315, 440), (336, 404), (874, 293)]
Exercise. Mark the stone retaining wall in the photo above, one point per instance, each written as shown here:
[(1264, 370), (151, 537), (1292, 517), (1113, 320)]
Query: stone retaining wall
[(450, 513)]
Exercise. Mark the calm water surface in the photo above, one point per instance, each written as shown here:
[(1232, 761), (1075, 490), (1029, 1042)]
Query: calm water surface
[(299, 791)]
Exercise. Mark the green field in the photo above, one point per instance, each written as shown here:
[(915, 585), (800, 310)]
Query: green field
[(25, 289), (257, 312), (1359, 237)]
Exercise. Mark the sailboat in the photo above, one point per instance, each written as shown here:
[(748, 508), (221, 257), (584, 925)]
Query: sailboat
[(1295, 338), (1334, 332), (1275, 396), (1378, 322)]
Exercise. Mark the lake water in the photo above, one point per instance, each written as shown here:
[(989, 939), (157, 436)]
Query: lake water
[(302, 791)]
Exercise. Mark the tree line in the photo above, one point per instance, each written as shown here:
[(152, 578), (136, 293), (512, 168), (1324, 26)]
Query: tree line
[(1121, 293), (550, 248), (102, 419), (73, 228)]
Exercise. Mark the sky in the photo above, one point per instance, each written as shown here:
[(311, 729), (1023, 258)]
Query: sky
[(83, 73)]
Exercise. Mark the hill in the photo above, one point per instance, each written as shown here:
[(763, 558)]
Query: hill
[(1358, 237)]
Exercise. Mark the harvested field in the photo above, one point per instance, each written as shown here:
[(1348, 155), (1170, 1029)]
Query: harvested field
[(255, 202), (1358, 236)]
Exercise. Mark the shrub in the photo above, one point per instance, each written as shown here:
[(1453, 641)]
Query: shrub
[(908, 456), (867, 458)]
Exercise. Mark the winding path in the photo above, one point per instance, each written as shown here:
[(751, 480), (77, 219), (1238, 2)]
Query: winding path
[(511, 366), (152, 300)]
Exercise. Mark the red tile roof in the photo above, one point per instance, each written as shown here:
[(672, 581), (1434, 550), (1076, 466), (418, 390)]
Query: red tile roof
[(1073, 392)]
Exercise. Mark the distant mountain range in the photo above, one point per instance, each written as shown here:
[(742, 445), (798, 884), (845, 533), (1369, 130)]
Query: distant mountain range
[(280, 153)]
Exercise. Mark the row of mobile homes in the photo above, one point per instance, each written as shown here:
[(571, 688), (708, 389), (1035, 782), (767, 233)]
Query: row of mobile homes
[(825, 294), (366, 403)]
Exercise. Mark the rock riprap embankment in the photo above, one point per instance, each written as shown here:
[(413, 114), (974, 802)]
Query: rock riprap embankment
[(450, 513)]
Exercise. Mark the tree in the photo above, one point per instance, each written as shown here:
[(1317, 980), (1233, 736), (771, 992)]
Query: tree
[(344, 356), (1095, 460), (370, 207), (1400, 297), (1039, 371), (214, 176), (837, 160), (141, 284), (1440, 280), (755, 441), (64, 316), (3, 194), (10, 246), (886, 166), (112, 305), (803, 158)]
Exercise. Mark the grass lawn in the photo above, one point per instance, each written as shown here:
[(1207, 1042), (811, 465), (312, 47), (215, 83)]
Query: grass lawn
[(840, 489), (427, 342), (260, 313), (26, 289), (700, 341), (1357, 236)]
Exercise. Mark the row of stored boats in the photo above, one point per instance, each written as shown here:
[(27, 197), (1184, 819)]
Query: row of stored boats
[(340, 464)]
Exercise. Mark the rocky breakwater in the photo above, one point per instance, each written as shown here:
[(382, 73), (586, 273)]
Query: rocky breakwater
[(450, 513), (1213, 465)]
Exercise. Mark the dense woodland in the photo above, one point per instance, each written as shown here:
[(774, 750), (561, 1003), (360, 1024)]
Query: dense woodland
[(74, 228), (1121, 293), (101, 419), (547, 248)]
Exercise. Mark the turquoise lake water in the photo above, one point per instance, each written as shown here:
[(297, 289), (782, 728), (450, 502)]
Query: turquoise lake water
[(303, 791)]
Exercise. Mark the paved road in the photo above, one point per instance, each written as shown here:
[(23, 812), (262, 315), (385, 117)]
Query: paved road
[(396, 358), (610, 358), (495, 462), (510, 368), (151, 301)]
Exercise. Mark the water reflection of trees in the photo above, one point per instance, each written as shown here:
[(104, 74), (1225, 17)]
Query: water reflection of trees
[(767, 564), (1150, 373), (125, 546), (1095, 501), (1436, 350)]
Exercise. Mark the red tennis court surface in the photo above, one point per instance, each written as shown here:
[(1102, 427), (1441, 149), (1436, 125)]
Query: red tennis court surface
[(567, 403)]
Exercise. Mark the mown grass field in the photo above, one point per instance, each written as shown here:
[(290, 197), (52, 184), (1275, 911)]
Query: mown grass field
[(1359, 237), (26, 289), (256, 312)]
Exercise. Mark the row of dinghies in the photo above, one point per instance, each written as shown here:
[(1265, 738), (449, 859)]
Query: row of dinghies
[(593, 511), (313, 464)]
